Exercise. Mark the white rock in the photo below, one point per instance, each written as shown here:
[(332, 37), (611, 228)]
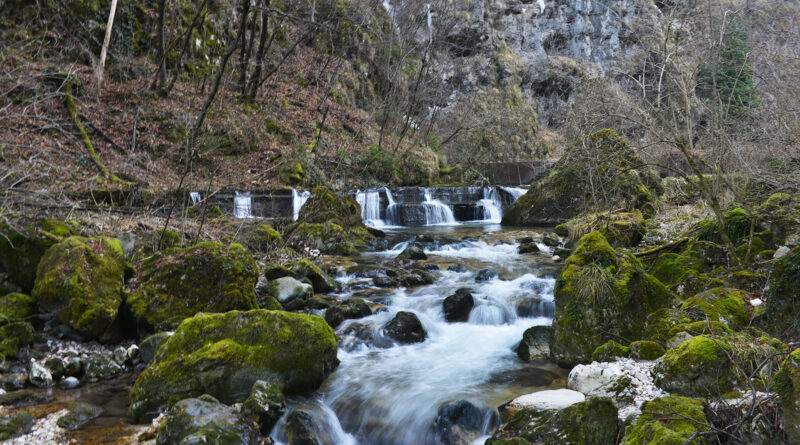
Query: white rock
[(552, 399), (781, 252), (288, 288), (120, 355), (133, 352), (756, 302), (69, 383), (39, 375), (679, 338), (626, 381)]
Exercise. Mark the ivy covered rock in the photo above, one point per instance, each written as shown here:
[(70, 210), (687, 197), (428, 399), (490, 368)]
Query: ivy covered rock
[(698, 366), (565, 193), (225, 354), (593, 421), (23, 245), (787, 385), (80, 280), (621, 229), (600, 295), (205, 420), (177, 283), (15, 307), (783, 298), (722, 304), (668, 420)]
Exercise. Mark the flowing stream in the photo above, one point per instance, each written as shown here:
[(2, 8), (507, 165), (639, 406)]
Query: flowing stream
[(387, 393)]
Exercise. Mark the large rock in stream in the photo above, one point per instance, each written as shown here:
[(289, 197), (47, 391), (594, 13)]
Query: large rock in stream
[(601, 295), (225, 354), (80, 280), (566, 192), (178, 283), (205, 421), (23, 245)]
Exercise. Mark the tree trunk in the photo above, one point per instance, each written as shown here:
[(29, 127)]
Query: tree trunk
[(161, 74), (100, 68)]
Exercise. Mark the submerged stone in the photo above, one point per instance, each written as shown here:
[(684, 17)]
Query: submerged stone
[(79, 414)]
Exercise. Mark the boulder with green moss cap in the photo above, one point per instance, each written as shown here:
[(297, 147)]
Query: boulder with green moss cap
[(177, 283), (322, 283), (80, 280), (698, 366), (621, 229), (646, 350), (668, 420), (15, 307), (610, 351), (601, 295), (22, 245), (723, 304), (204, 420), (225, 354)]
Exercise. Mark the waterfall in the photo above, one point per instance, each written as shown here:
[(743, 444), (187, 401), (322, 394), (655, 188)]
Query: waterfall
[(370, 202), (436, 212), (491, 205), (391, 209), (430, 24), (298, 199), (241, 205), (516, 192), (195, 197)]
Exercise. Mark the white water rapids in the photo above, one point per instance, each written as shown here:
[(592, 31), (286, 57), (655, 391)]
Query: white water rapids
[(385, 393)]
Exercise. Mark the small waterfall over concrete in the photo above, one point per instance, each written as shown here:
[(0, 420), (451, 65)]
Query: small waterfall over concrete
[(298, 199), (436, 212), (491, 205), (370, 202), (195, 197), (391, 209), (242, 205), (516, 192)]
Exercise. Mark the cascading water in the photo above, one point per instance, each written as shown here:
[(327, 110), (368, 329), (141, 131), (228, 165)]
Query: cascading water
[(298, 200), (370, 202), (491, 205), (195, 197), (391, 209), (516, 192), (436, 212), (242, 205), (385, 393)]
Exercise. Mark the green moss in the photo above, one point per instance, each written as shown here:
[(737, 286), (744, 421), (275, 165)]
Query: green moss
[(80, 280), (177, 283), (225, 354), (783, 297), (328, 238), (325, 206), (646, 350), (621, 229), (593, 421), (263, 238), (293, 174), (698, 366), (601, 295), (787, 385), (304, 268), (667, 421), (16, 424), (660, 324), (13, 336), (737, 224), (723, 304), (16, 306), (610, 351), (21, 248)]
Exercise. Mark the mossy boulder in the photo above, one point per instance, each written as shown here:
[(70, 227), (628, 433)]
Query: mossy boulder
[(263, 238), (266, 404), (80, 280), (323, 206), (646, 350), (328, 238), (698, 366), (16, 306), (692, 270), (566, 192), (610, 351), (225, 354), (177, 283), (783, 298), (668, 420), (601, 295), (350, 309), (204, 420), (621, 229), (787, 385), (13, 336), (322, 283), (23, 245), (593, 421), (722, 304)]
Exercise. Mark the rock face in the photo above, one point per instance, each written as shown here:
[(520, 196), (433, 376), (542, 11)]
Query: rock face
[(205, 420), (593, 421), (405, 327), (787, 385), (671, 419), (178, 283), (80, 280), (225, 354), (601, 295), (458, 306), (698, 366), (565, 193), (22, 247), (783, 299)]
